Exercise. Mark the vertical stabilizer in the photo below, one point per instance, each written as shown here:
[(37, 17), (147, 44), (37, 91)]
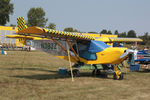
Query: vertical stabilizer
[(21, 23)]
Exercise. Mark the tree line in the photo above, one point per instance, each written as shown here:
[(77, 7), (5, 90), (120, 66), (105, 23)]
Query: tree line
[(36, 17)]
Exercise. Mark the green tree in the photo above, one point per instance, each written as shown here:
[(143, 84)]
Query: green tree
[(70, 29), (109, 32), (104, 31), (12, 25), (131, 33), (6, 8), (36, 17), (123, 34), (145, 38), (116, 32), (93, 32), (52, 26)]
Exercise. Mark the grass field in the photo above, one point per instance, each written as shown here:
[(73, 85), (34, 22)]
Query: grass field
[(34, 76)]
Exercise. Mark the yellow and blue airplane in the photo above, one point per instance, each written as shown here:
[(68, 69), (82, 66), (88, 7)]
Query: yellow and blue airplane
[(79, 48)]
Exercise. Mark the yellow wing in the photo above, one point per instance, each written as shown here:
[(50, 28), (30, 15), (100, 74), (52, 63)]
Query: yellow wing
[(43, 33), (116, 39), (49, 33)]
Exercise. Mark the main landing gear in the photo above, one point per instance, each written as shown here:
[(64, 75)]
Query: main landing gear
[(117, 74), (109, 69), (97, 72), (75, 72)]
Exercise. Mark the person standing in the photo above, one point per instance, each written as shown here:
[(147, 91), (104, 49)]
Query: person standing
[(135, 53)]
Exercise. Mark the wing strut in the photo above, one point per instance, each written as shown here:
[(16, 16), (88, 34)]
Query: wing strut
[(64, 49), (73, 49)]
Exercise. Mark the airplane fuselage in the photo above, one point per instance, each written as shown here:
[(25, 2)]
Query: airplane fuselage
[(110, 55)]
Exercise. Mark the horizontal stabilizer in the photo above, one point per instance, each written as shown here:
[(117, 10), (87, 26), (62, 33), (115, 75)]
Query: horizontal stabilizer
[(19, 36)]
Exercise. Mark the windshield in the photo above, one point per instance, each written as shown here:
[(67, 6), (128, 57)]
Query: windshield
[(97, 46), (88, 49)]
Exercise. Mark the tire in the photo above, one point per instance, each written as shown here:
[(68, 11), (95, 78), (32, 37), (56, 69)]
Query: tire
[(121, 76), (76, 73), (96, 72)]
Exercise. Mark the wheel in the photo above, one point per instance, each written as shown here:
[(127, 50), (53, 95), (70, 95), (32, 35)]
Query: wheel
[(116, 78), (96, 72), (121, 76), (76, 73)]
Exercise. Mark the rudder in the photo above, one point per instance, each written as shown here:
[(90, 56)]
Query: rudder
[(21, 23)]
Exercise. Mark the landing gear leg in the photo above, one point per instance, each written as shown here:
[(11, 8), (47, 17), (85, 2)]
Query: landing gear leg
[(96, 71), (118, 75)]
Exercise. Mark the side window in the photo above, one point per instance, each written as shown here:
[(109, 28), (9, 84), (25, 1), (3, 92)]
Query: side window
[(84, 53)]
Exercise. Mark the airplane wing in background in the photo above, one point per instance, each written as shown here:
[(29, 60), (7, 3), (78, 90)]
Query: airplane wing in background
[(113, 39)]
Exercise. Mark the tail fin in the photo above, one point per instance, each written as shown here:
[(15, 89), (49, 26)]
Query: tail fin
[(21, 23)]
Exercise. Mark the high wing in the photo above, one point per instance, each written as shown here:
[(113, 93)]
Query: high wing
[(40, 33), (49, 33), (37, 32)]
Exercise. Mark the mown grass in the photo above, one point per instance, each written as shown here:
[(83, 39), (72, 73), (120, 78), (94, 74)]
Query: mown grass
[(34, 76)]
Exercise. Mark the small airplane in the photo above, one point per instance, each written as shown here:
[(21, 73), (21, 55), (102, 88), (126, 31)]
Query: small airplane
[(79, 48), (143, 57)]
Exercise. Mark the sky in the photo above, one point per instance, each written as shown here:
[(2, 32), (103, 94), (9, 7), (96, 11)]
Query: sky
[(90, 15)]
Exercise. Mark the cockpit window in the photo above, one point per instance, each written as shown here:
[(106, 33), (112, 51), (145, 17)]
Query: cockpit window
[(88, 49), (97, 46)]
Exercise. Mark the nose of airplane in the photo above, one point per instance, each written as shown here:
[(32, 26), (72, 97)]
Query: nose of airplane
[(126, 52)]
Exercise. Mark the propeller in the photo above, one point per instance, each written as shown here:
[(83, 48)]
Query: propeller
[(127, 52)]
